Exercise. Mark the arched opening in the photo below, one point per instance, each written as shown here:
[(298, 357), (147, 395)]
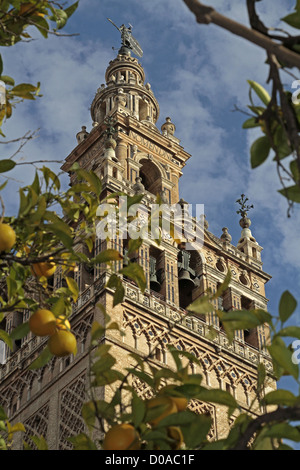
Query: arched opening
[(190, 267), (151, 176)]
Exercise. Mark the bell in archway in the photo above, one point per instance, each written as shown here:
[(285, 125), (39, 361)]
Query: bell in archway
[(154, 283), (185, 280)]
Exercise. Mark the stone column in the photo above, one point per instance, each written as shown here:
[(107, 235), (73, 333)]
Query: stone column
[(121, 153)]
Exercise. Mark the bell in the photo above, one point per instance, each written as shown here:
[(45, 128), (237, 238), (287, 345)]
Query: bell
[(184, 279), (154, 284)]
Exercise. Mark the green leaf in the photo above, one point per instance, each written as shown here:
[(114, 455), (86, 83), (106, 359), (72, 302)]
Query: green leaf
[(6, 165), (259, 151), (134, 245), (40, 211), (201, 306), (89, 413), (292, 193), (261, 376), (108, 255), (280, 397), (196, 431), (42, 25), (73, 286), (135, 272), (291, 331), (41, 360), (115, 282), (71, 9), (287, 305), (40, 442), (281, 143), (263, 443), (92, 179), (260, 91), (20, 331), (138, 410), (4, 336), (283, 357), (23, 88), (222, 288), (283, 431), (295, 170), (251, 122), (82, 442), (142, 376), (61, 18), (258, 110), (243, 320), (293, 20), (217, 396), (3, 415), (8, 80)]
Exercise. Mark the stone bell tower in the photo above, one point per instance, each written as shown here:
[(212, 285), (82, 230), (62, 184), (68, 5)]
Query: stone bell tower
[(125, 148)]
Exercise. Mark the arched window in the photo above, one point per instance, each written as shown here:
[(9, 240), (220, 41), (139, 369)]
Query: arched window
[(151, 177)]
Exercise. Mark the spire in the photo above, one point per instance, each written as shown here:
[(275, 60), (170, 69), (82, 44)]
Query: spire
[(125, 91), (247, 243)]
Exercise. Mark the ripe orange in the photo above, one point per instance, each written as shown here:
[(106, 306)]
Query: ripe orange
[(62, 323), (175, 433), (122, 437), (62, 343), (180, 402), (45, 269), (160, 401), (42, 323), (7, 237)]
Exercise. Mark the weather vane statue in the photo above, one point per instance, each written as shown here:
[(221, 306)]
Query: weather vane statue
[(244, 207), (128, 41)]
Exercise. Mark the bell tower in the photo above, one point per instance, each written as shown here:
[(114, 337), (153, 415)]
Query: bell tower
[(125, 148)]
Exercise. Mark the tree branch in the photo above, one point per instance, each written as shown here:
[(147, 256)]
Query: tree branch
[(279, 415), (205, 14)]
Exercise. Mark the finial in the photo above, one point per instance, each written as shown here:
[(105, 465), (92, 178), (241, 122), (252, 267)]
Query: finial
[(110, 143), (225, 235), (82, 135), (168, 127), (129, 43), (138, 187), (245, 222)]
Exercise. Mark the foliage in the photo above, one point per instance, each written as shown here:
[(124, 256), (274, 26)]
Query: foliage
[(16, 20), (278, 113), (59, 227)]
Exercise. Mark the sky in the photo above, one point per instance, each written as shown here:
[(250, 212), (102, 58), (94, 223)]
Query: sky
[(199, 75)]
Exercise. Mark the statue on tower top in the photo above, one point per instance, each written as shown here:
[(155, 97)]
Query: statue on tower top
[(128, 41)]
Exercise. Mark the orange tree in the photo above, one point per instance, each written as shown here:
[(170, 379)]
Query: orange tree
[(44, 234)]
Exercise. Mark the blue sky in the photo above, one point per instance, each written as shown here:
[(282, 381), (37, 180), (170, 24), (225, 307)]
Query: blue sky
[(198, 73)]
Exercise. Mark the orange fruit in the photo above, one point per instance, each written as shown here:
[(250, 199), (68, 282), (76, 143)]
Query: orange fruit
[(62, 343), (122, 437), (175, 433), (180, 402), (7, 237), (62, 323), (45, 269), (42, 323), (167, 407)]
